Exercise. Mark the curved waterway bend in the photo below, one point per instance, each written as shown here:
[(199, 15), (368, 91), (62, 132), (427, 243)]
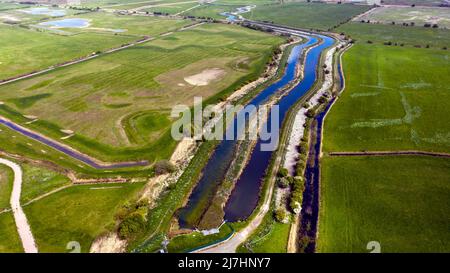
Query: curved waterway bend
[(66, 149), (245, 196)]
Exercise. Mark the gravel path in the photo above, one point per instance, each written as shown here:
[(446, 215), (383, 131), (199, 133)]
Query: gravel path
[(20, 218)]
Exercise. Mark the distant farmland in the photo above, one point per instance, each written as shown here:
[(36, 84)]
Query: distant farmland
[(397, 34), (416, 15), (306, 15), (43, 48)]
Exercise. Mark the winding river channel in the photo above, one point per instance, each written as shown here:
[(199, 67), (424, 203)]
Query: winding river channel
[(245, 196)]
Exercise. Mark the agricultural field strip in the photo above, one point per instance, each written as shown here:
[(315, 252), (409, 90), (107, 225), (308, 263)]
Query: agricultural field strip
[(20, 218)]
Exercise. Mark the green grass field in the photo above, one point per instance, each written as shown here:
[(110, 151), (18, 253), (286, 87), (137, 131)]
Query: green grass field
[(9, 238), (401, 202), (78, 213), (271, 237), (172, 9), (306, 15), (38, 181), (396, 98), (409, 36), (129, 91), (6, 183), (40, 50), (127, 25)]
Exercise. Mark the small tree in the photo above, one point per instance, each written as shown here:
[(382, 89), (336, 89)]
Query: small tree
[(283, 172), (283, 182), (164, 166), (280, 215), (132, 225)]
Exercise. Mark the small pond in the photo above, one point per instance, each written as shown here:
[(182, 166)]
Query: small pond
[(67, 23)]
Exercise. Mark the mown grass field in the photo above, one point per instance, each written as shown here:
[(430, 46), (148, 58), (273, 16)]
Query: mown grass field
[(78, 213), (9, 238), (145, 81), (306, 15), (40, 50), (396, 98), (409, 36), (6, 184), (401, 202)]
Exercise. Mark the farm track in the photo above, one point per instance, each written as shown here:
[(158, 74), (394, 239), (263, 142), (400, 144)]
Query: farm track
[(23, 228), (390, 153)]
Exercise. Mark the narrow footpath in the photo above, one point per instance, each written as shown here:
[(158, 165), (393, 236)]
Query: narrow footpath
[(20, 218)]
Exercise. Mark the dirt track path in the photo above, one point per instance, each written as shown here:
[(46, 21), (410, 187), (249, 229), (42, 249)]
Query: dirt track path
[(20, 218)]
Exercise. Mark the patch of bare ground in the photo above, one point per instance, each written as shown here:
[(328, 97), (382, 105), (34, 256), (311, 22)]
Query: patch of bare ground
[(205, 77), (109, 243)]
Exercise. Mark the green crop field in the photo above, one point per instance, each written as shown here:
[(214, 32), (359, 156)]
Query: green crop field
[(6, 181), (401, 202), (409, 36), (396, 98), (78, 213), (9, 238), (132, 91), (417, 15), (306, 15)]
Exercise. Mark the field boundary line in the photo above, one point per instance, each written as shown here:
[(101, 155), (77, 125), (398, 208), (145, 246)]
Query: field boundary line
[(391, 153)]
